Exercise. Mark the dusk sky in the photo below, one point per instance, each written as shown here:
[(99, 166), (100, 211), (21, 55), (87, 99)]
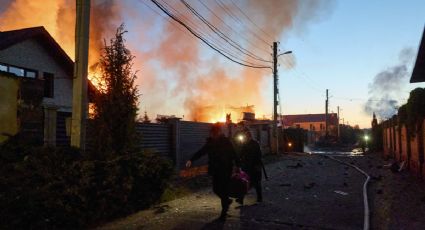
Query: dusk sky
[(359, 50)]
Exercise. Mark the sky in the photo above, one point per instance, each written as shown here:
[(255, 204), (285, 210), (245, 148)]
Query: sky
[(362, 51), (345, 51)]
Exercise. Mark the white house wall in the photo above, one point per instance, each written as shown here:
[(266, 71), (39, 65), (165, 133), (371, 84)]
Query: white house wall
[(30, 54)]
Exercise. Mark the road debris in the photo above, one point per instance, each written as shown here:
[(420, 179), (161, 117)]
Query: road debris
[(341, 192), (309, 185), (298, 165)]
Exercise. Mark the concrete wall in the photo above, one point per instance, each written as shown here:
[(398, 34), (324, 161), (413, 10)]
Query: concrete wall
[(9, 87), (30, 54)]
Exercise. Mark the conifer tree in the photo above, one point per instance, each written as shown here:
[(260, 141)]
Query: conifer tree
[(116, 102)]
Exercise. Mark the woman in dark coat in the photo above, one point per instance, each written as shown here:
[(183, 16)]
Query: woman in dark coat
[(252, 164), (221, 160)]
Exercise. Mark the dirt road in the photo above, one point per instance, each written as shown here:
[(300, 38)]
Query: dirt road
[(304, 192)]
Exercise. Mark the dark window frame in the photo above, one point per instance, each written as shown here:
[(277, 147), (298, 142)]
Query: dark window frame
[(26, 70)]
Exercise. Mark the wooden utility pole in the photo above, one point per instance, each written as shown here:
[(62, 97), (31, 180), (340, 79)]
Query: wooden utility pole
[(79, 94), (338, 123), (275, 92), (326, 118)]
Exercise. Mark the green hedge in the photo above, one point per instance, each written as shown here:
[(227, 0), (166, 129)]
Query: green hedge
[(59, 188)]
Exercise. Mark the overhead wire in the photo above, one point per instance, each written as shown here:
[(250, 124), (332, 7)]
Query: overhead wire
[(205, 34), (231, 29), (212, 46), (166, 18), (226, 10), (246, 16), (198, 30), (219, 33)]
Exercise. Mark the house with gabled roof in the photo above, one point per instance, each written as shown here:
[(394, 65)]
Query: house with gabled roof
[(315, 123), (36, 71)]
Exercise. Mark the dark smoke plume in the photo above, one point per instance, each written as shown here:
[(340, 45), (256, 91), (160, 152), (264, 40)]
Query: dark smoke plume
[(387, 86)]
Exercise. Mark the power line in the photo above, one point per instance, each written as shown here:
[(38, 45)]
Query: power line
[(220, 41), (161, 15), (222, 35), (226, 10), (231, 29), (163, 9), (205, 34), (183, 31), (246, 16)]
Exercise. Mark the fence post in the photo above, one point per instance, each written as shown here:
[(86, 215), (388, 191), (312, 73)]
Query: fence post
[(175, 141)]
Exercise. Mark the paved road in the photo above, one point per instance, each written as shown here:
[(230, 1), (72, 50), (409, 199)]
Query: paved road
[(304, 192)]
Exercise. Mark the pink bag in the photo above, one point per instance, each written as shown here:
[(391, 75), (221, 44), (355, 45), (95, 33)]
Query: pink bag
[(239, 184)]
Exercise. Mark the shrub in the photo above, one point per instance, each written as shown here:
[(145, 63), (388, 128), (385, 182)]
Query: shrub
[(58, 188)]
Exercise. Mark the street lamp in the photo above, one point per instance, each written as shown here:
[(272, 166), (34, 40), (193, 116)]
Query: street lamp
[(366, 138), (287, 52)]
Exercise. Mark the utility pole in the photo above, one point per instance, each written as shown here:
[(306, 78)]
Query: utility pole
[(338, 123), (79, 93), (326, 118), (275, 92)]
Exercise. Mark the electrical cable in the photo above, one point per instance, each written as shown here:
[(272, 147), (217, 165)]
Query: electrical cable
[(204, 34), (246, 16), (163, 9), (222, 35), (230, 28), (239, 21)]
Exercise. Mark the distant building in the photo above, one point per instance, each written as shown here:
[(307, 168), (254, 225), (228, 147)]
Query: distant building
[(418, 73), (35, 86), (315, 123)]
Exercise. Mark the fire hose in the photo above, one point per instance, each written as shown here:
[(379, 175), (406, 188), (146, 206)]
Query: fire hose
[(366, 220)]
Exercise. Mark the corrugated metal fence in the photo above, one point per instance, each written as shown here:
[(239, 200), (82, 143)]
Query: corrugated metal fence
[(179, 140), (156, 137)]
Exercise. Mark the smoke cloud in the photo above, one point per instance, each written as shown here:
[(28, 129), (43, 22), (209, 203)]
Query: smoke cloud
[(387, 86), (177, 75)]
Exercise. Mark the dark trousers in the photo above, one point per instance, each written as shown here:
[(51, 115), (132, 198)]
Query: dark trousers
[(221, 189), (255, 179), (257, 185)]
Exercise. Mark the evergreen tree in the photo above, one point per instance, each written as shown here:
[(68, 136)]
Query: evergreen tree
[(116, 102), (146, 118)]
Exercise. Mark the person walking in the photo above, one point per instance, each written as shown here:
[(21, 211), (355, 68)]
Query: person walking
[(252, 164), (221, 160)]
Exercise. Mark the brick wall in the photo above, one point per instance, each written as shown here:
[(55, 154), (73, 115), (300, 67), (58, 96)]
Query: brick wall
[(392, 148)]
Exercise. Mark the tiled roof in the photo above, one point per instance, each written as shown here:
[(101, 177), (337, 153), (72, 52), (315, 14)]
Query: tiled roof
[(12, 37), (418, 73), (289, 120)]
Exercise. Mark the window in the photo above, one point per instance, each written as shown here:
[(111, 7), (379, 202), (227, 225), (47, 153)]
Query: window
[(3, 68), (30, 74), (17, 71), (48, 85)]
